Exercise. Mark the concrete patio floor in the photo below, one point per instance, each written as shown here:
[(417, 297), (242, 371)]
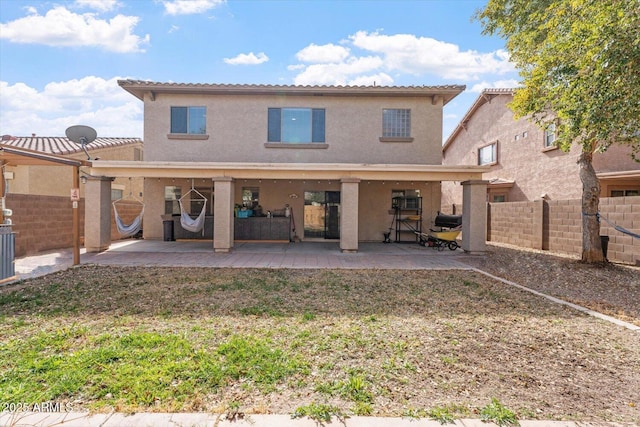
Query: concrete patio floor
[(249, 255)]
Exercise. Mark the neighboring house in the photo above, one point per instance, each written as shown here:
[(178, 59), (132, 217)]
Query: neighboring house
[(37, 178), (525, 164), (289, 162), (54, 181)]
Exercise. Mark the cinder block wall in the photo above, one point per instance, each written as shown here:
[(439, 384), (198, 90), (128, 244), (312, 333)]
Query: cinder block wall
[(623, 212), (557, 226), (517, 223), (43, 223), (565, 226)]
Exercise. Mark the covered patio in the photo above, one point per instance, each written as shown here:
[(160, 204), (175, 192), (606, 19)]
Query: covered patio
[(360, 187)]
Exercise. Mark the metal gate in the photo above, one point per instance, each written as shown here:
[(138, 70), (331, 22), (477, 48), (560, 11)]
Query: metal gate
[(7, 252)]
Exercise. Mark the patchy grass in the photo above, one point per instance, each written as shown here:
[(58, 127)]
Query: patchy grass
[(312, 343)]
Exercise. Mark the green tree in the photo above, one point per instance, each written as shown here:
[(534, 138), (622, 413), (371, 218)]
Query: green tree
[(579, 61)]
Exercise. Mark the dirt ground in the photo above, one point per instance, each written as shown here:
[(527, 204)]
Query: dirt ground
[(405, 340), (612, 289)]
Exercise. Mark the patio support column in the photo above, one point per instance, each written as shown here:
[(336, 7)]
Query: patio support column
[(223, 214), (97, 214), (474, 216), (349, 195)]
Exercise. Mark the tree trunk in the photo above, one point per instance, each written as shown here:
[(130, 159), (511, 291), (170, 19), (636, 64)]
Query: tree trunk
[(591, 245)]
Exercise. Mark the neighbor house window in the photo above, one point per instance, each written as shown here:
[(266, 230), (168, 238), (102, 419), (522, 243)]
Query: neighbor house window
[(624, 193), (396, 123), (296, 125), (550, 136), (189, 120), (488, 155)]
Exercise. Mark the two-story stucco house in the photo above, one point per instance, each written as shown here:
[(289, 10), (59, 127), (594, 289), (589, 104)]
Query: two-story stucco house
[(524, 162), (289, 162)]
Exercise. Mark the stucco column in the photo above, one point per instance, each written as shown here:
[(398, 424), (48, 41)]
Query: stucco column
[(474, 216), (349, 195), (223, 214), (97, 214)]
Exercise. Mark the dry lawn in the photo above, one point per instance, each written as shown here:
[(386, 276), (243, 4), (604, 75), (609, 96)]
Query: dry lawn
[(370, 342)]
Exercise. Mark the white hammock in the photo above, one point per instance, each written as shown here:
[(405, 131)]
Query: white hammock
[(131, 229), (188, 223)]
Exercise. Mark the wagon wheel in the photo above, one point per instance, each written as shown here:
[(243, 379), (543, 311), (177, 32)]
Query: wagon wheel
[(453, 245), (440, 245)]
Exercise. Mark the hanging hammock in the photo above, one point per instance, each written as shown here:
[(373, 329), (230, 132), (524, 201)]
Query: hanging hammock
[(128, 230), (188, 223), (619, 228)]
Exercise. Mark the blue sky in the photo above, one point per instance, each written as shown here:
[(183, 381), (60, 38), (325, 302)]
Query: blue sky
[(60, 60)]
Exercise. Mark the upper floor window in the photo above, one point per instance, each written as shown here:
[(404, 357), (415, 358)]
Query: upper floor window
[(396, 123), (488, 155), (550, 135), (296, 125), (189, 120)]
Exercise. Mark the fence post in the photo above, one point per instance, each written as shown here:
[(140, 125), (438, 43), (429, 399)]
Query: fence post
[(538, 224), (488, 222)]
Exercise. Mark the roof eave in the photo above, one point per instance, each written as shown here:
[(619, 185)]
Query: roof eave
[(140, 88)]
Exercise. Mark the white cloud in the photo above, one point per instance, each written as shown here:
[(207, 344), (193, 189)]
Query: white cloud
[(322, 54), (395, 55), (190, 7), (60, 27), (338, 74), (91, 101), (419, 55), (99, 5), (247, 59), (508, 84)]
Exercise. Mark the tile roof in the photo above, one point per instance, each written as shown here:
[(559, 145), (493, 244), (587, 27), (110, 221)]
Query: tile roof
[(139, 87), (62, 145)]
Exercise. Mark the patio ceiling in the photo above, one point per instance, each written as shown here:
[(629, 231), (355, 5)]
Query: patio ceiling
[(333, 171)]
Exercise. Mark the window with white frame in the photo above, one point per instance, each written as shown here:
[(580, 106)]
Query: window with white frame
[(488, 154), (189, 120), (396, 123), (550, 135), (296, 125)]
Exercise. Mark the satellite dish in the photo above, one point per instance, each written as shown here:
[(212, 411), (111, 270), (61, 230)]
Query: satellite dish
[(82, 135)]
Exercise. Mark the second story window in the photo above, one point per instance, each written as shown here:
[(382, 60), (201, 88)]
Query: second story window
[(189, 120), (550, 136), (296, 125), (396, 123), (488, 155)]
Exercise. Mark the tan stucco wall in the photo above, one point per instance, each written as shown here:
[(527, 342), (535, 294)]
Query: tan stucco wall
[(237, 130), (616, 158), (536, 171), (374, 205)]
